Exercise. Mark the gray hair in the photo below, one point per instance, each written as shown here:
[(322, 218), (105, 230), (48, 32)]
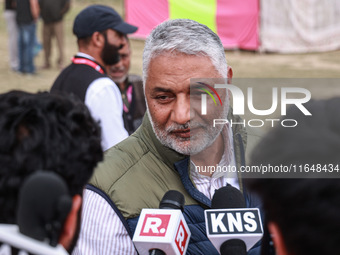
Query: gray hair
[(184, 36)]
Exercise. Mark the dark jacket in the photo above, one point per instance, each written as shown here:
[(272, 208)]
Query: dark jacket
[(10, 4), (76, 78), (134, 116), (53, 10), (24, 14)]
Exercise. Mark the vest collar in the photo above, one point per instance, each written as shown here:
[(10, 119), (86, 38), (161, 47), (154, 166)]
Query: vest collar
[(167, 155), (170, 156)]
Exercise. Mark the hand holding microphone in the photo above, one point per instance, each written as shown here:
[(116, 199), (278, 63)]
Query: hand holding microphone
[(232, 228), (163, 231)]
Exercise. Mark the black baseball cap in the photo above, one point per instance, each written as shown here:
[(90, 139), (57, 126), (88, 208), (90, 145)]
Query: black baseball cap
[(99, 18)]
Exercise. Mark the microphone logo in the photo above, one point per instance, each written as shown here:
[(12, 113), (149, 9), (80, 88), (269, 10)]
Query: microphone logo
[(155, 224), (237, 221), (162, 229), (181, 237)]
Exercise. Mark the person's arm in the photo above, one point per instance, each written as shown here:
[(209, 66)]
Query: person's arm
[(35, 9), (101, 232), (105, 104)]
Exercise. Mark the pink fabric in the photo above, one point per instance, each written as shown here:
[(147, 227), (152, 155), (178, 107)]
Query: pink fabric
[(237, 20), (238, 23), (146, 14)]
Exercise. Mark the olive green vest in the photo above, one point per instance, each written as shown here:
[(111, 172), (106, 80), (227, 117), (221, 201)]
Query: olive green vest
[(137, 172)]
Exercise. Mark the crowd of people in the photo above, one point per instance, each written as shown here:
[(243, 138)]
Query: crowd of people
[(55, 196), (21, 20)]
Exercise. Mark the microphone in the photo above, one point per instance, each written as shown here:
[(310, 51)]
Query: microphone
[(163, 231), (44, 203), (232, 228)]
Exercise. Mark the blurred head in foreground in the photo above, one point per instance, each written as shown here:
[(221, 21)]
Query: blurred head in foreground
[(49, 133), (303, 213)]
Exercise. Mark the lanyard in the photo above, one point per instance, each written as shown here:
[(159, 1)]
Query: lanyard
[(88, 62), (127, 98)]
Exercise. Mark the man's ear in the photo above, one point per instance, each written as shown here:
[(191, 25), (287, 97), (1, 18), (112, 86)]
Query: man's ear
[(230, 74), (98, 39), (276, 235), (70, 225)]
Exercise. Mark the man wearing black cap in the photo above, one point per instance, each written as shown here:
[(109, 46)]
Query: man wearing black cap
[(100, 32)]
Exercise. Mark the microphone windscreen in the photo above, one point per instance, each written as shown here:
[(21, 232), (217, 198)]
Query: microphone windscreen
[(228, 197), (233, 247), (172, 199), (44, 203)]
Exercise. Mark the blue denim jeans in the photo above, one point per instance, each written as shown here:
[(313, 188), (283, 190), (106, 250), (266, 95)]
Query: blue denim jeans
[(26, 47)]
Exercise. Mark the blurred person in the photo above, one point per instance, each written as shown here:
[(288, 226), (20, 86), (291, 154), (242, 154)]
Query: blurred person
[(52, 14), (27, 16), (131, 88), (100, 32), (37, 46), (52, 138), (12, 31), (303, 213), (163, 153)]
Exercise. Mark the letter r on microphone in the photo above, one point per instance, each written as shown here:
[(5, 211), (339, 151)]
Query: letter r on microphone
[(155, 225), (181, 237), (162, 229)]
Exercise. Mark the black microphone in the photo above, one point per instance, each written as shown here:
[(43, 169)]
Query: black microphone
[(163, 231), (232, 228), (44, 203), (228, 197), (172, 199)]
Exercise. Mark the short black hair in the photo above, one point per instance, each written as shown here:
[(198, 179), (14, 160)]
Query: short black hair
[(305, 210), (44, 132)]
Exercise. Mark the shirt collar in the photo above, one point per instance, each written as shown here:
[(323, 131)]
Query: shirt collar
[(228, 157), (84, 55)]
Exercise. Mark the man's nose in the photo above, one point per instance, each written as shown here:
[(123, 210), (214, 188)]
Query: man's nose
[(181, 111)]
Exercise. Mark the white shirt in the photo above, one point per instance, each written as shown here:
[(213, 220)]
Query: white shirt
[(105, 103), (11, 237), (103, 233)]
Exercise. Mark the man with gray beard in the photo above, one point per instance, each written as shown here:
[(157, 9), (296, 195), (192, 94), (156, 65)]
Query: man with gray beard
[(173, 146)]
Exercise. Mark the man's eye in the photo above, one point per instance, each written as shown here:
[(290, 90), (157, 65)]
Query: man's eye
[(162, 97)]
